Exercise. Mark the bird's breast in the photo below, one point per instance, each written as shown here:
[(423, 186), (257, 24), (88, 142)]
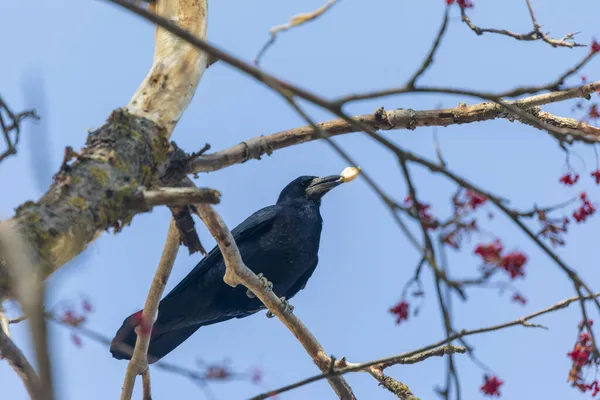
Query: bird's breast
[(292, 246)]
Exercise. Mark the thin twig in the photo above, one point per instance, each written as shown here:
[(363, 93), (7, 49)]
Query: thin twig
[(12, 127), (296, 20), (418, 355), (535, 34), (411, 358), (429, 59)]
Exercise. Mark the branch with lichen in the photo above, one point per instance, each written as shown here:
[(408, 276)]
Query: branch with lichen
[(100, 189)]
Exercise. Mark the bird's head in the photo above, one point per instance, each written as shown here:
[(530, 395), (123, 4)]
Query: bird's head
[(309, 188)]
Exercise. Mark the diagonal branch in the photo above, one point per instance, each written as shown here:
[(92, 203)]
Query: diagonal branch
[(296, 20), (139, 360), (238, 273), (18, 361)]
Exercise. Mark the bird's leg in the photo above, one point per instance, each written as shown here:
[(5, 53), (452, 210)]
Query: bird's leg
[(268, 285), (287, 307)]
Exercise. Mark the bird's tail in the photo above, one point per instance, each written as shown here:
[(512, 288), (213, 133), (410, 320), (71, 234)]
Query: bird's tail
[(161, 342)]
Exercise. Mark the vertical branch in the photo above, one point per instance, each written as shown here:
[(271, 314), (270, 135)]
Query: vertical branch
[(139, 360), (177, 68)]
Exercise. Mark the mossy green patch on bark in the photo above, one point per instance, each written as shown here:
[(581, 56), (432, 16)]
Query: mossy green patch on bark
[(98, 190), (78, 202), (100, 175)]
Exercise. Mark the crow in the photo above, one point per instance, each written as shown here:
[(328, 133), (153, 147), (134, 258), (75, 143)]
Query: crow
[(280, 241)]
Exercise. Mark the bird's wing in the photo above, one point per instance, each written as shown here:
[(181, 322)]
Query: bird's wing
[(257, 222), (301, 282), (194, 292)]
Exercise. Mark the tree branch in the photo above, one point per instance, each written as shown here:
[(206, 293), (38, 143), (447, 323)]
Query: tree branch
[(177, 68), (180, 196), (97, 191), (12, 126), (139, 361), (535, 34), (342, 367), (401, 119), (18, 361), (434, 349), (238, 273)]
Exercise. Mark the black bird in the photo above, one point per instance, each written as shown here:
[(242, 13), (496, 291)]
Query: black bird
[(280, 241)]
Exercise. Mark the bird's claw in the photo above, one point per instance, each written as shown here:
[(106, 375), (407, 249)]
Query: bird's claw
[(287, 307), (266, 283)]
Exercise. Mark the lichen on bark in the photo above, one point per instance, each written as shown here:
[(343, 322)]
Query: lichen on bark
[(99, 190)]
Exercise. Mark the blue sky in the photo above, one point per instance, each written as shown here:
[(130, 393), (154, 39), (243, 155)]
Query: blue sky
[(88, 58)]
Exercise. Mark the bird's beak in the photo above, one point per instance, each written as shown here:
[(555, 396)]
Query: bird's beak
[(320, 186)]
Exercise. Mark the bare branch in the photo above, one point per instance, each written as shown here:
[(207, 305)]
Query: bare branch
[(238, 273), (139, 361), (342, 367), (146, 385), (401, 119), (18, 361), (498, 202), (177, 68), (296, 20), (12, 126), (180, 196), (429, 59), (535, 34), (434, 349), (495, 97), (397, 388)]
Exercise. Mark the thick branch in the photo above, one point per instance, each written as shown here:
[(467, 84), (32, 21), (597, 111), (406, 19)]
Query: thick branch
[(178, 66), (97, 191), (238, 273)]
